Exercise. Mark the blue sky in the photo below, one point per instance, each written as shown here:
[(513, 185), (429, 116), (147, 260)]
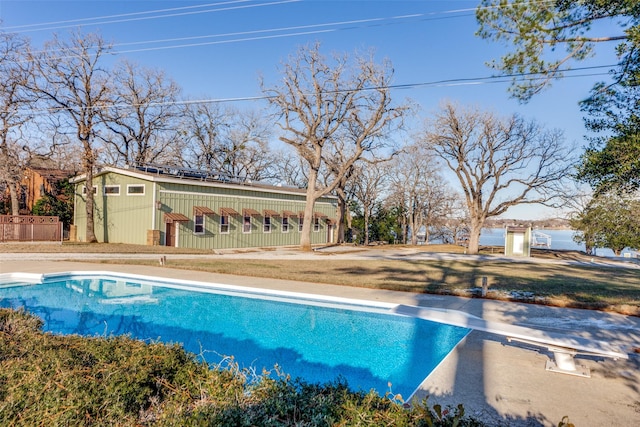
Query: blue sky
[(219, 49)]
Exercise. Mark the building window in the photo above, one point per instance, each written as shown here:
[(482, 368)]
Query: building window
[(267, 224), (84, 189), (316, 225), (300, 223), (111, 190), (285, 224), (224, 224), (198, 224), (246, 224), (135, 190)]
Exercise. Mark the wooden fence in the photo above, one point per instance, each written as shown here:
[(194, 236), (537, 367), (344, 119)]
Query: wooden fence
[(25, 228)]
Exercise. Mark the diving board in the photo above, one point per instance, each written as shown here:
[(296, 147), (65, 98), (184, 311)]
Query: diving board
[(563, 347)]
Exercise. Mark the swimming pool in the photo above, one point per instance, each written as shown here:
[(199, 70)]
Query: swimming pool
[(316, 338)]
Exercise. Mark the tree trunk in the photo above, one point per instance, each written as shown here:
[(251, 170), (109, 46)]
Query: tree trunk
[(405, 230), (366, 227), (414, 229), (305, 236), (474, 237), (348, 225), (91, 236), (15, 203), (342, 211)]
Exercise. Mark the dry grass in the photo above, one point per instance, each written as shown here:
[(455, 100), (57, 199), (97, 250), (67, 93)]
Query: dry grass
[(584, 286), (552, 284)]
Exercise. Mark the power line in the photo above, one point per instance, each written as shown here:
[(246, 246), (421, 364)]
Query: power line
[(470, 81), (318, 30), (268, 30), (313, 29), (111, 20), (290, 31), (114, 18), (502, 78), (80, 20)]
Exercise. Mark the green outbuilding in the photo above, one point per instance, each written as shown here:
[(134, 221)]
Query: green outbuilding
[(164, 205)]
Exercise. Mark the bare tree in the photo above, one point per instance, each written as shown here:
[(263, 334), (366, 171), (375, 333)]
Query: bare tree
[(318, 101), (245, 147), (49, 146), (499, 163), (453, 228), (11, 170), (14, 100), (338, 152), (334, 172), (289, 169), (417, 190), (203, 124), (141, 121), (74, 86), (369, 183), (229, 141)]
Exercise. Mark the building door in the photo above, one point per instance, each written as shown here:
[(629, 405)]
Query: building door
[(518, 243), (170, 234)]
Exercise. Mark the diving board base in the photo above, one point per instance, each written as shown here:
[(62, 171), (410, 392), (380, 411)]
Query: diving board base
[(563, 362), (579, 371)]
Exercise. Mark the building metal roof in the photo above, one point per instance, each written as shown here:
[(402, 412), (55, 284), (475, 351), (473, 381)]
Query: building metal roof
[(192, 179), (517, 228)]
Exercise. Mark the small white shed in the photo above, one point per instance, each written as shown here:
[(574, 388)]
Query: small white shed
[(517, 241)]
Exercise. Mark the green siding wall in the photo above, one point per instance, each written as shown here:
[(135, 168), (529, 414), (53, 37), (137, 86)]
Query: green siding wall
[(184, 201), (121, 218), (127, 218), (237, 238)]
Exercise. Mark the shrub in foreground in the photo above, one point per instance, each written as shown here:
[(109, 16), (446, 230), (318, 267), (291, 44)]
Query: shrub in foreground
[(48, 379)]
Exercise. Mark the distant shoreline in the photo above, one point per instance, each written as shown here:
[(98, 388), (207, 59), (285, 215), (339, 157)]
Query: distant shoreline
[(548, 224)]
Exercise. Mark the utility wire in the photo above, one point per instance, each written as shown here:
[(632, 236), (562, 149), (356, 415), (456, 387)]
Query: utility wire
[(268, 30), (473, 81), (87, 21), (290, 31), (313, 29), (108, 19)]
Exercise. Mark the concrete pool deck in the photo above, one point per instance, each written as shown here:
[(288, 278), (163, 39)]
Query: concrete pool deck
[(498, 382)]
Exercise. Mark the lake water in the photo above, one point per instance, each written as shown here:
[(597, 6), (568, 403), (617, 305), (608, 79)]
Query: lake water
[(560, 240)]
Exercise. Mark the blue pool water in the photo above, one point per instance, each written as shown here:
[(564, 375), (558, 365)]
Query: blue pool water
[(313, 339)]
